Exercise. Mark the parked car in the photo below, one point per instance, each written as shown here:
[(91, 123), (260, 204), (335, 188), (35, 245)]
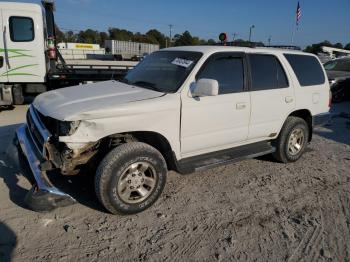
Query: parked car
[(184, 109), (338, 71)]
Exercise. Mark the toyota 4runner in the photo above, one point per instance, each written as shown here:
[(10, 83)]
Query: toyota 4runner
[(182, 109)]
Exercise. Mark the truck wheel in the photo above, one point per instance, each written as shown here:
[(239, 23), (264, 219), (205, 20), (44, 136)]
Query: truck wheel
[(18, 98), (292, 140), (130, 178)]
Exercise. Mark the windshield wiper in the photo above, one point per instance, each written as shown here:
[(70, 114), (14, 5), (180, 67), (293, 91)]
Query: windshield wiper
[(124, 80), (146, 84)]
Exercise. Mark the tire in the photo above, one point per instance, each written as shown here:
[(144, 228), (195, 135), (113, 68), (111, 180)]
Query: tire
[(293, 125), (122, 168), (18, 98)]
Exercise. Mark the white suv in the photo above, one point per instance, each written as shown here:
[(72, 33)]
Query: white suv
[(182, 109)]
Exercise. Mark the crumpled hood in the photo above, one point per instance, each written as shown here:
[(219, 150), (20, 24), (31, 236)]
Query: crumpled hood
[(337, 74), (70, 102)]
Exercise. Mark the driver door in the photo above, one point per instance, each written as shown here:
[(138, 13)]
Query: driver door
[(219, 122), (3, 67)]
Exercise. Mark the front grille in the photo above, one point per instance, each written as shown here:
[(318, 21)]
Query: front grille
[(34, 132), (50, 123), (37, 130)]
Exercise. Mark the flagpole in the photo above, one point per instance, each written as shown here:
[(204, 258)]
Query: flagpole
[(296, 25), (293, 33)]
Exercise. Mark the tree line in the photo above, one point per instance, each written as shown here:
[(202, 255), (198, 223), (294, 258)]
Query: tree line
[(154, 36)]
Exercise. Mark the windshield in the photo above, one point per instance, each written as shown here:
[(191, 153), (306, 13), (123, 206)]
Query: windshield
[(338, 65), (163, 71)]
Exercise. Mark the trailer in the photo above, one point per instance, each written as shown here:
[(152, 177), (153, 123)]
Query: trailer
[(128, 50), (30, 62)]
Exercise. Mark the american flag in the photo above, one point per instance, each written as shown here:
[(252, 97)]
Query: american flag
[(298, 13)]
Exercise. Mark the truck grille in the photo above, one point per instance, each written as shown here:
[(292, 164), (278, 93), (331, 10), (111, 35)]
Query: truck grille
[(39, 134)]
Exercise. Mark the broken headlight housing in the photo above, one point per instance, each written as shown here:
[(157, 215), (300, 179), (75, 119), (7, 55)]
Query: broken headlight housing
[(67, 128)]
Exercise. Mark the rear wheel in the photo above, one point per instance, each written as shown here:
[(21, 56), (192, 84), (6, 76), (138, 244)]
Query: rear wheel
[(292, 140), (130, 178)]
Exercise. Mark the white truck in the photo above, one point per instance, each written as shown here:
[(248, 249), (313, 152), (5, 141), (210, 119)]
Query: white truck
[(29, 60), (182, 109)]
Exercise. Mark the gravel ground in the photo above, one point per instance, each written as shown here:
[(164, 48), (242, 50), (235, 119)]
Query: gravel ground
[(252, 210)]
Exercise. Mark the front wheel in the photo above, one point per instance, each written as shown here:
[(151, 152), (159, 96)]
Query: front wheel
[(130, 178), (292, 140)]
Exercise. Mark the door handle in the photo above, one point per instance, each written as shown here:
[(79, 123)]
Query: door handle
[(1, 61), (289, 99), (240, 106)]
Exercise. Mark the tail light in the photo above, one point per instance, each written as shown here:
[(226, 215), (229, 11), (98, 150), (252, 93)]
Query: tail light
[(330, 99), (51, 49)]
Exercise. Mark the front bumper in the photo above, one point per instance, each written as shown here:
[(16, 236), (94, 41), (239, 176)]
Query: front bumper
[(43, 196)]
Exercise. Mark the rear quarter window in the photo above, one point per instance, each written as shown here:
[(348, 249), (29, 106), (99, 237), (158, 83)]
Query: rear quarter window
[(307, 69)]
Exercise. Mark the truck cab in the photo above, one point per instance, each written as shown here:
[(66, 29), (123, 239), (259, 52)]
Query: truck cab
[(30, 62), (22, 46)]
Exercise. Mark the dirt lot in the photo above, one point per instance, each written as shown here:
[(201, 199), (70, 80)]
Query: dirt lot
[(253, 210)]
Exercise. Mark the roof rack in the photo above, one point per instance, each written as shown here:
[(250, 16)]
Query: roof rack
[(290, 47), (258, 44), (242, 44)]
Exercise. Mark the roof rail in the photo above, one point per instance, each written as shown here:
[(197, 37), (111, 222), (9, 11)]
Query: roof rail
[(242, 44), (290, 47)]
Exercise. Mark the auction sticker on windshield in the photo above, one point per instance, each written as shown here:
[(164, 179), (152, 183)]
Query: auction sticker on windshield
[(182, 62)]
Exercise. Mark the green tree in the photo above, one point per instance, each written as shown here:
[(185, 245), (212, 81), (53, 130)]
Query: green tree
[(211, 42), (184, 39), (120, 34), (60, 37), (89, 36), (70, 37), (338, 45), (347, 46), (103, 36), (156, 37), (316, 48)]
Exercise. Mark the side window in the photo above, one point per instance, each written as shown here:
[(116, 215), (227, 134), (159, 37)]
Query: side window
[(227, 70), (21, 29), (267, 73), (307, 69)]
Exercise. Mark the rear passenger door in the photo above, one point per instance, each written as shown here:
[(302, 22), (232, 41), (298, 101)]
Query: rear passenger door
[(312, 90), (272, 96)]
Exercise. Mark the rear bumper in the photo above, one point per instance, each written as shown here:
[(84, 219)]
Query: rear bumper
[(321, 119), (43, 196)]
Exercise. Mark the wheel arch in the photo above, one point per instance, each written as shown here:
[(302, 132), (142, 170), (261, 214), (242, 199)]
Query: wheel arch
[(307, 116), (154, 139)]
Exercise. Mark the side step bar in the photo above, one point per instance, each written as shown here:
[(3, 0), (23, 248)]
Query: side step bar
[(211, 160)]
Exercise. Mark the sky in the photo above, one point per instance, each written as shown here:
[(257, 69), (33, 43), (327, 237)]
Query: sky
[(321, 19)]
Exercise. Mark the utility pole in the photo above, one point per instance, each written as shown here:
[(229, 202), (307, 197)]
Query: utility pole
[(170, 31), (269, 40), (234, 36), (250, 32)]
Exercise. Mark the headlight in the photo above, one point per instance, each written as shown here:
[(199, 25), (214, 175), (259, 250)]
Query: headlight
[(67, 128)]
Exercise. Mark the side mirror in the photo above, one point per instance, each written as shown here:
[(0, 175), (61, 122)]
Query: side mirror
[(205, 87)]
